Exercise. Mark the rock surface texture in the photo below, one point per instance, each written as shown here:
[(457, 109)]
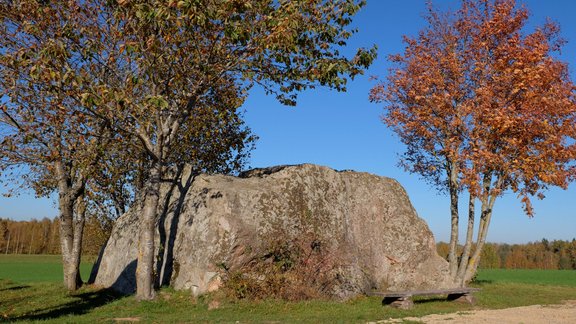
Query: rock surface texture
[(369, 221)]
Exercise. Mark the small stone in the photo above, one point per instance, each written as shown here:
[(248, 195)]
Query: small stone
[(214, 304), (406, 303), (465, 299)]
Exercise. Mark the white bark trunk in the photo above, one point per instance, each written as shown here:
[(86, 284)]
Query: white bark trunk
[(8, 244), (475, 258), (31, 241), (469, 239), (488, 200), (454, 217)]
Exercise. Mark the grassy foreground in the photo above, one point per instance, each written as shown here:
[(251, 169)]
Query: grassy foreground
[(26, 296)]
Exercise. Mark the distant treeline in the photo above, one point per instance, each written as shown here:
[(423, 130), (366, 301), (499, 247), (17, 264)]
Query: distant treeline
[(553, 255), (43, 236)]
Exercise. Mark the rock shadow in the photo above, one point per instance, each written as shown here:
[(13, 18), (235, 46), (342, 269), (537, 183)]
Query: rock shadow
[(96, 266), (165, 264), (126, 281)]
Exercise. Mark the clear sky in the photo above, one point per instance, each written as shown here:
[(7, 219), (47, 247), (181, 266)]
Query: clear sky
[(343, 130)]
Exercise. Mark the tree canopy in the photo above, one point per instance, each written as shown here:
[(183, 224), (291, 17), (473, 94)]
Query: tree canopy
[(168, 77), (482, 107)]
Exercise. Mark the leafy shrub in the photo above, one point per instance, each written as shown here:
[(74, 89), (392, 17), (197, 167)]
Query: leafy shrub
[(288, 268)]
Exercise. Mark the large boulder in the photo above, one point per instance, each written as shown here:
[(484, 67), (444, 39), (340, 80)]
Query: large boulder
[(221, 220)]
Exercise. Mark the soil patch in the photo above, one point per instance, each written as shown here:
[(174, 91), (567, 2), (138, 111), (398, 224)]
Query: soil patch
[(558, 314)]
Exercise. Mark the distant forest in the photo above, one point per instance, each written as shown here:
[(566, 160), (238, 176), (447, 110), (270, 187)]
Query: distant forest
[(550, 255), (43, 237)]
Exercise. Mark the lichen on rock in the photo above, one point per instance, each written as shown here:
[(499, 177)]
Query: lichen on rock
[(367, 220)]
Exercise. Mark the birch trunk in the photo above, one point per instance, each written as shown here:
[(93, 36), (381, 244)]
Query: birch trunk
[(17, 242), (488, 200), (475, 259), (8, 244), (469, 239), (453, 188), (31, 241)]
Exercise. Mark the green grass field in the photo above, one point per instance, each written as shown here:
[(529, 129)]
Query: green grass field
[(31, 290), (538, 277), (36, 268)]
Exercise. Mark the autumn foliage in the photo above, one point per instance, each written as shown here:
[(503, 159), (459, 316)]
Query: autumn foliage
[(483, 107), (48, 140), (155, 85)]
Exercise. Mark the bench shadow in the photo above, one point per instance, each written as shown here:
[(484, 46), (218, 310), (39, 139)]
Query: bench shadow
[(84, 303), (420, 300), (387, 300), (429, 300)]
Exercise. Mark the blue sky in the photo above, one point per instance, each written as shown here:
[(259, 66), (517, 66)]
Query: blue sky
[(343, 130)]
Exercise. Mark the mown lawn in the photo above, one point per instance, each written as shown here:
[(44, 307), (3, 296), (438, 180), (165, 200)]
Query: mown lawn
[(43, 299), (36, 268), (540, 277)]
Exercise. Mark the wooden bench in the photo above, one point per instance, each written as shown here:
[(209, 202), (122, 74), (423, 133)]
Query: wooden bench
[(403, 299)]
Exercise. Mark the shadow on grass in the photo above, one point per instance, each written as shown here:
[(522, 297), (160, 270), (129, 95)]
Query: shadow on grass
[(82, 304), (428, 300), (483, 282), (15, 288)]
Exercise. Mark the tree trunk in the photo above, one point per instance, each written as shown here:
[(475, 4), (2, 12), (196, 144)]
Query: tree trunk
[(8, 244), (145, 268), (469, 238), (17, 242), (31, 241), (67, 242), (487, 207), (453, 188), (70, 231), (475, 259), (488, 200), (52, 248), (79, 222)]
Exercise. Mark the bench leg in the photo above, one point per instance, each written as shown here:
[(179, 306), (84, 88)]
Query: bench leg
[(399, 302), (462, 298)]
